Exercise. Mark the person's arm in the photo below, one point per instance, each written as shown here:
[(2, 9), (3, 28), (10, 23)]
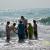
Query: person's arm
[(14, 29), (36, 27)]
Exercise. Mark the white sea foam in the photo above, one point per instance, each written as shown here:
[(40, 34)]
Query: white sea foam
[(29, 44)]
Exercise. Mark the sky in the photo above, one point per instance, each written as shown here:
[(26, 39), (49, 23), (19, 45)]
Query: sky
[(24, 4)]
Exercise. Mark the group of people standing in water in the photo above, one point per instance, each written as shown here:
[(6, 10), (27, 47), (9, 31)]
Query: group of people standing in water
[(25, 30)]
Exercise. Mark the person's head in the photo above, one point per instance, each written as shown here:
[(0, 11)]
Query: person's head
[(34, 21), (8, 22), (22, 17), (20, 21), (30, 24), (14, 24)]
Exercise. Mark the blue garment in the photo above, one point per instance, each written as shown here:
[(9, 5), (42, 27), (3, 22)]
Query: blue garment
[(21, 31), (21, 28)]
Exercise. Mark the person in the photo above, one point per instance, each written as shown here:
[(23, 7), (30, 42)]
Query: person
[(7, 32), (13, 29), (21, 32), (35, 29), (30, 31), (25, 24)]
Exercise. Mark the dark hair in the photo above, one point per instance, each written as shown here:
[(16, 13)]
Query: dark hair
[(8, 22), (22, 17), (29, 23), (34, 21), (14, 24), (20, 21)]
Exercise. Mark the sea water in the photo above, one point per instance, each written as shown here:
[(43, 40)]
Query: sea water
[(41, 15)]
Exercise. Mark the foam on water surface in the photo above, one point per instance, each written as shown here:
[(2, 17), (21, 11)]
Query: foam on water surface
[(29, 44)]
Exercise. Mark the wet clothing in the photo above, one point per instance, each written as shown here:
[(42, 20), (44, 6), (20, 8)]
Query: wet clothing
[(30, 31), (21, 31), (26, 33), (35, 31), (36, 35), (13, 29), (25, 24), (8, 38), (7, 33)]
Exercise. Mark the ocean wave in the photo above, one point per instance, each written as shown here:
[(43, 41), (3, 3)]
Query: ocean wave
[(45, 21), (26, 12)]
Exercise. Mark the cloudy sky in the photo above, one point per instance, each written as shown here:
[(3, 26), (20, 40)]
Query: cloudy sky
[(21, 4)]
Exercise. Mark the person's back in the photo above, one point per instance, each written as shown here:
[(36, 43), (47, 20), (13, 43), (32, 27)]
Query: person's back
[(21, 29), (35, 29), (13, 28), (8, 31), (25, 24), (30, 31), (7, 28)]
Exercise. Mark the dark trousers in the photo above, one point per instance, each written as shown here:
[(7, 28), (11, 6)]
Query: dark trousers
[(8, 38), (35, 34), (21, 36), (26, 33), (30, 36)]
